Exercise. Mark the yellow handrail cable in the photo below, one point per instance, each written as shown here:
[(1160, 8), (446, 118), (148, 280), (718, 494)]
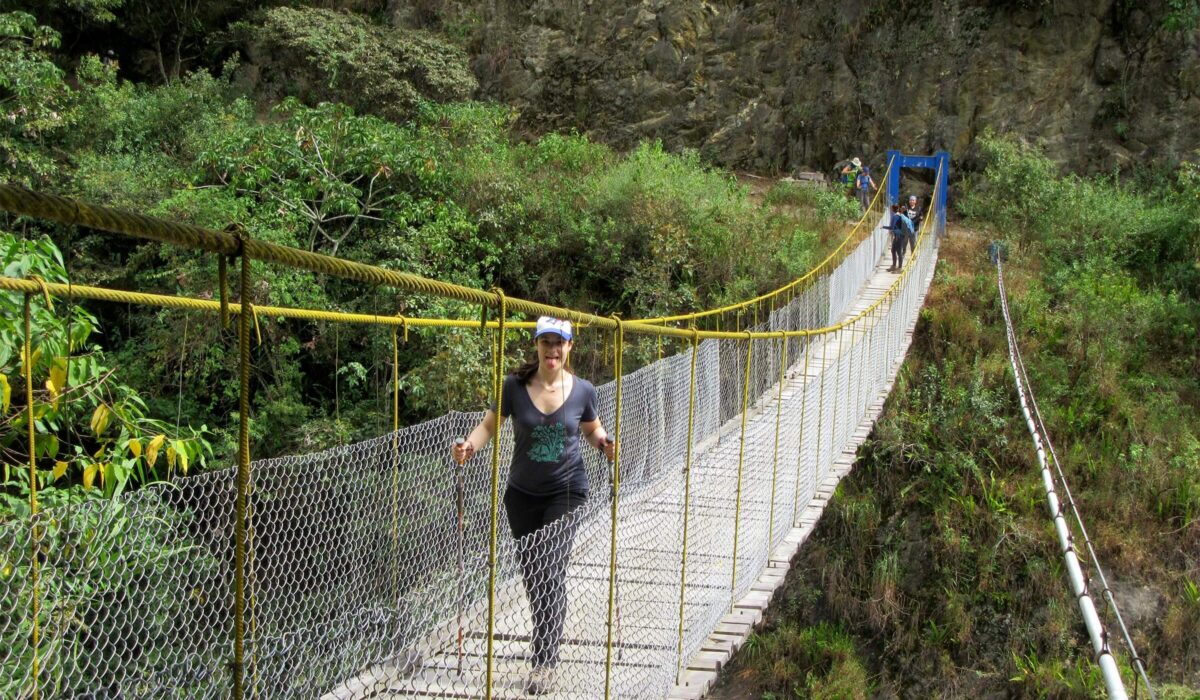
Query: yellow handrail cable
[(20, 201), (790, 285)]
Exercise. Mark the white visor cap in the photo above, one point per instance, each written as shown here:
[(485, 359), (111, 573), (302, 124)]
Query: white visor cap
[(557, 326)]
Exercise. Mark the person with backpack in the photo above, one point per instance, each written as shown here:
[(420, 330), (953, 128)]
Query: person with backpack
[(849, 173), (865, 185), (901, 228)]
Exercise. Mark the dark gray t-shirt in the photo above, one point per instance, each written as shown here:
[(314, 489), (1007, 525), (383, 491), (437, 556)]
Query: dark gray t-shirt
[(546, 454)]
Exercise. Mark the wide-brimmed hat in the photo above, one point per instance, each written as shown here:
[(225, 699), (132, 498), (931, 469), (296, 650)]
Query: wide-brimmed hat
[(555, 326), (857, 162)]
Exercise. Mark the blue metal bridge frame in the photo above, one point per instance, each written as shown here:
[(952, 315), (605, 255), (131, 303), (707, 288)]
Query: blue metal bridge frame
[(938, 162)]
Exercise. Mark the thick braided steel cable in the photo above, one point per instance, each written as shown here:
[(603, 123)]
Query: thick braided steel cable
[(1074, 509), (1095, 627), (79, 291), (241, 506), (53, 207), (1108, 594), (18, 200)]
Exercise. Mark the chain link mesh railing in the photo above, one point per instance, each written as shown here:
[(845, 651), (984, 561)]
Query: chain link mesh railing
[(367, 566)]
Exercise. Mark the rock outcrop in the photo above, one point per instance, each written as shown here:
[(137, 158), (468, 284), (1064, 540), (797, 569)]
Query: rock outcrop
[(778, 86)]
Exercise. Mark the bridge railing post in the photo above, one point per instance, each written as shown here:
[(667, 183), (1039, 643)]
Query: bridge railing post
[(27, 365), (242, 525), (498, 350), (687, 494), (618, 361)]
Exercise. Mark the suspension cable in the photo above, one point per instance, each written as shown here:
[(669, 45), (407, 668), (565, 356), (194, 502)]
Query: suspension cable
[(1041, 439)]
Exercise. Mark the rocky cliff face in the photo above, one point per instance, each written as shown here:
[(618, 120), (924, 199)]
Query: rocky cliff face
[(780, 85)]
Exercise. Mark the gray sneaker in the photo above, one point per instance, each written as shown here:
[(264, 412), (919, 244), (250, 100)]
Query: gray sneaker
[(541, 680)]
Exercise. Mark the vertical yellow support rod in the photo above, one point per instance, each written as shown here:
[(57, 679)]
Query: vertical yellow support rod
[(619, 346), (395, 463), (737, 508), (498, 348), (800, 450), (243, 484), (775, 463), (862, 365), (687, 494), (821, 404), (35, 602), (837, 396), (872, 365)]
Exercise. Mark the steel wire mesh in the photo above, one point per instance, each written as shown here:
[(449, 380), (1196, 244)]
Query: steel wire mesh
[(368, 567)]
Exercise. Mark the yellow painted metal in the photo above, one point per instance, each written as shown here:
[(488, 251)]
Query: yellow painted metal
[(243, 489), (821, 401), (737, 507), (79, 291), (619, 357), (21, 201), (687, 495), (800, 451), (838, 335), (828, 262), (783, 342), (35, 601), (395, 459), (498, 349)]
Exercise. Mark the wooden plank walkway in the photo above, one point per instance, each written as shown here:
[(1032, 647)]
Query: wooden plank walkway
[(647, 614)]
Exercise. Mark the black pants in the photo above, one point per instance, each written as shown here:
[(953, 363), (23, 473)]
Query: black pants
[(898, 251), (544, 557)]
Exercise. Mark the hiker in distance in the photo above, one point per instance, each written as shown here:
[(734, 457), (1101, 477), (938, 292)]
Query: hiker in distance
[(553, 411), (865, 184), (901, 228)]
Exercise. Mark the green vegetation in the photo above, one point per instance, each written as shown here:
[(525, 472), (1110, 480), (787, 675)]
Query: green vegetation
[(323, 55), (367, 152), (936, 555), (450, 192), (333, 132), (816, 662)]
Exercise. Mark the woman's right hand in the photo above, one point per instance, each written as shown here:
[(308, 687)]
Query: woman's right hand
[(462, 451)]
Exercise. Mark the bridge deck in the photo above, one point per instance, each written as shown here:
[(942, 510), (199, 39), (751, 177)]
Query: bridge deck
[(646, 629)]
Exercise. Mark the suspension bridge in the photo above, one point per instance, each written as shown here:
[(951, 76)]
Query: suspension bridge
[(382, 569)]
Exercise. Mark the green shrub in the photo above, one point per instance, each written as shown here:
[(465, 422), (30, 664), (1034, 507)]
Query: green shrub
[(322, 55), (813, 662)]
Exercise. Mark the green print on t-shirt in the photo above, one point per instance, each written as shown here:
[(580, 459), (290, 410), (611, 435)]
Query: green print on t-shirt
[(548, 442)]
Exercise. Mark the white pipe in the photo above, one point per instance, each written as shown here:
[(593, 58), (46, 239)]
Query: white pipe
[(1095, 628)]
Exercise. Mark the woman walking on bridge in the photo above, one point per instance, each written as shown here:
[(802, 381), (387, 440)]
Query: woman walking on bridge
[(551, 410)]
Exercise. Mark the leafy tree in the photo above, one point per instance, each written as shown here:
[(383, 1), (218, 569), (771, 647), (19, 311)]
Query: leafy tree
[(99, 11), (35, 100), (89, 426)]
